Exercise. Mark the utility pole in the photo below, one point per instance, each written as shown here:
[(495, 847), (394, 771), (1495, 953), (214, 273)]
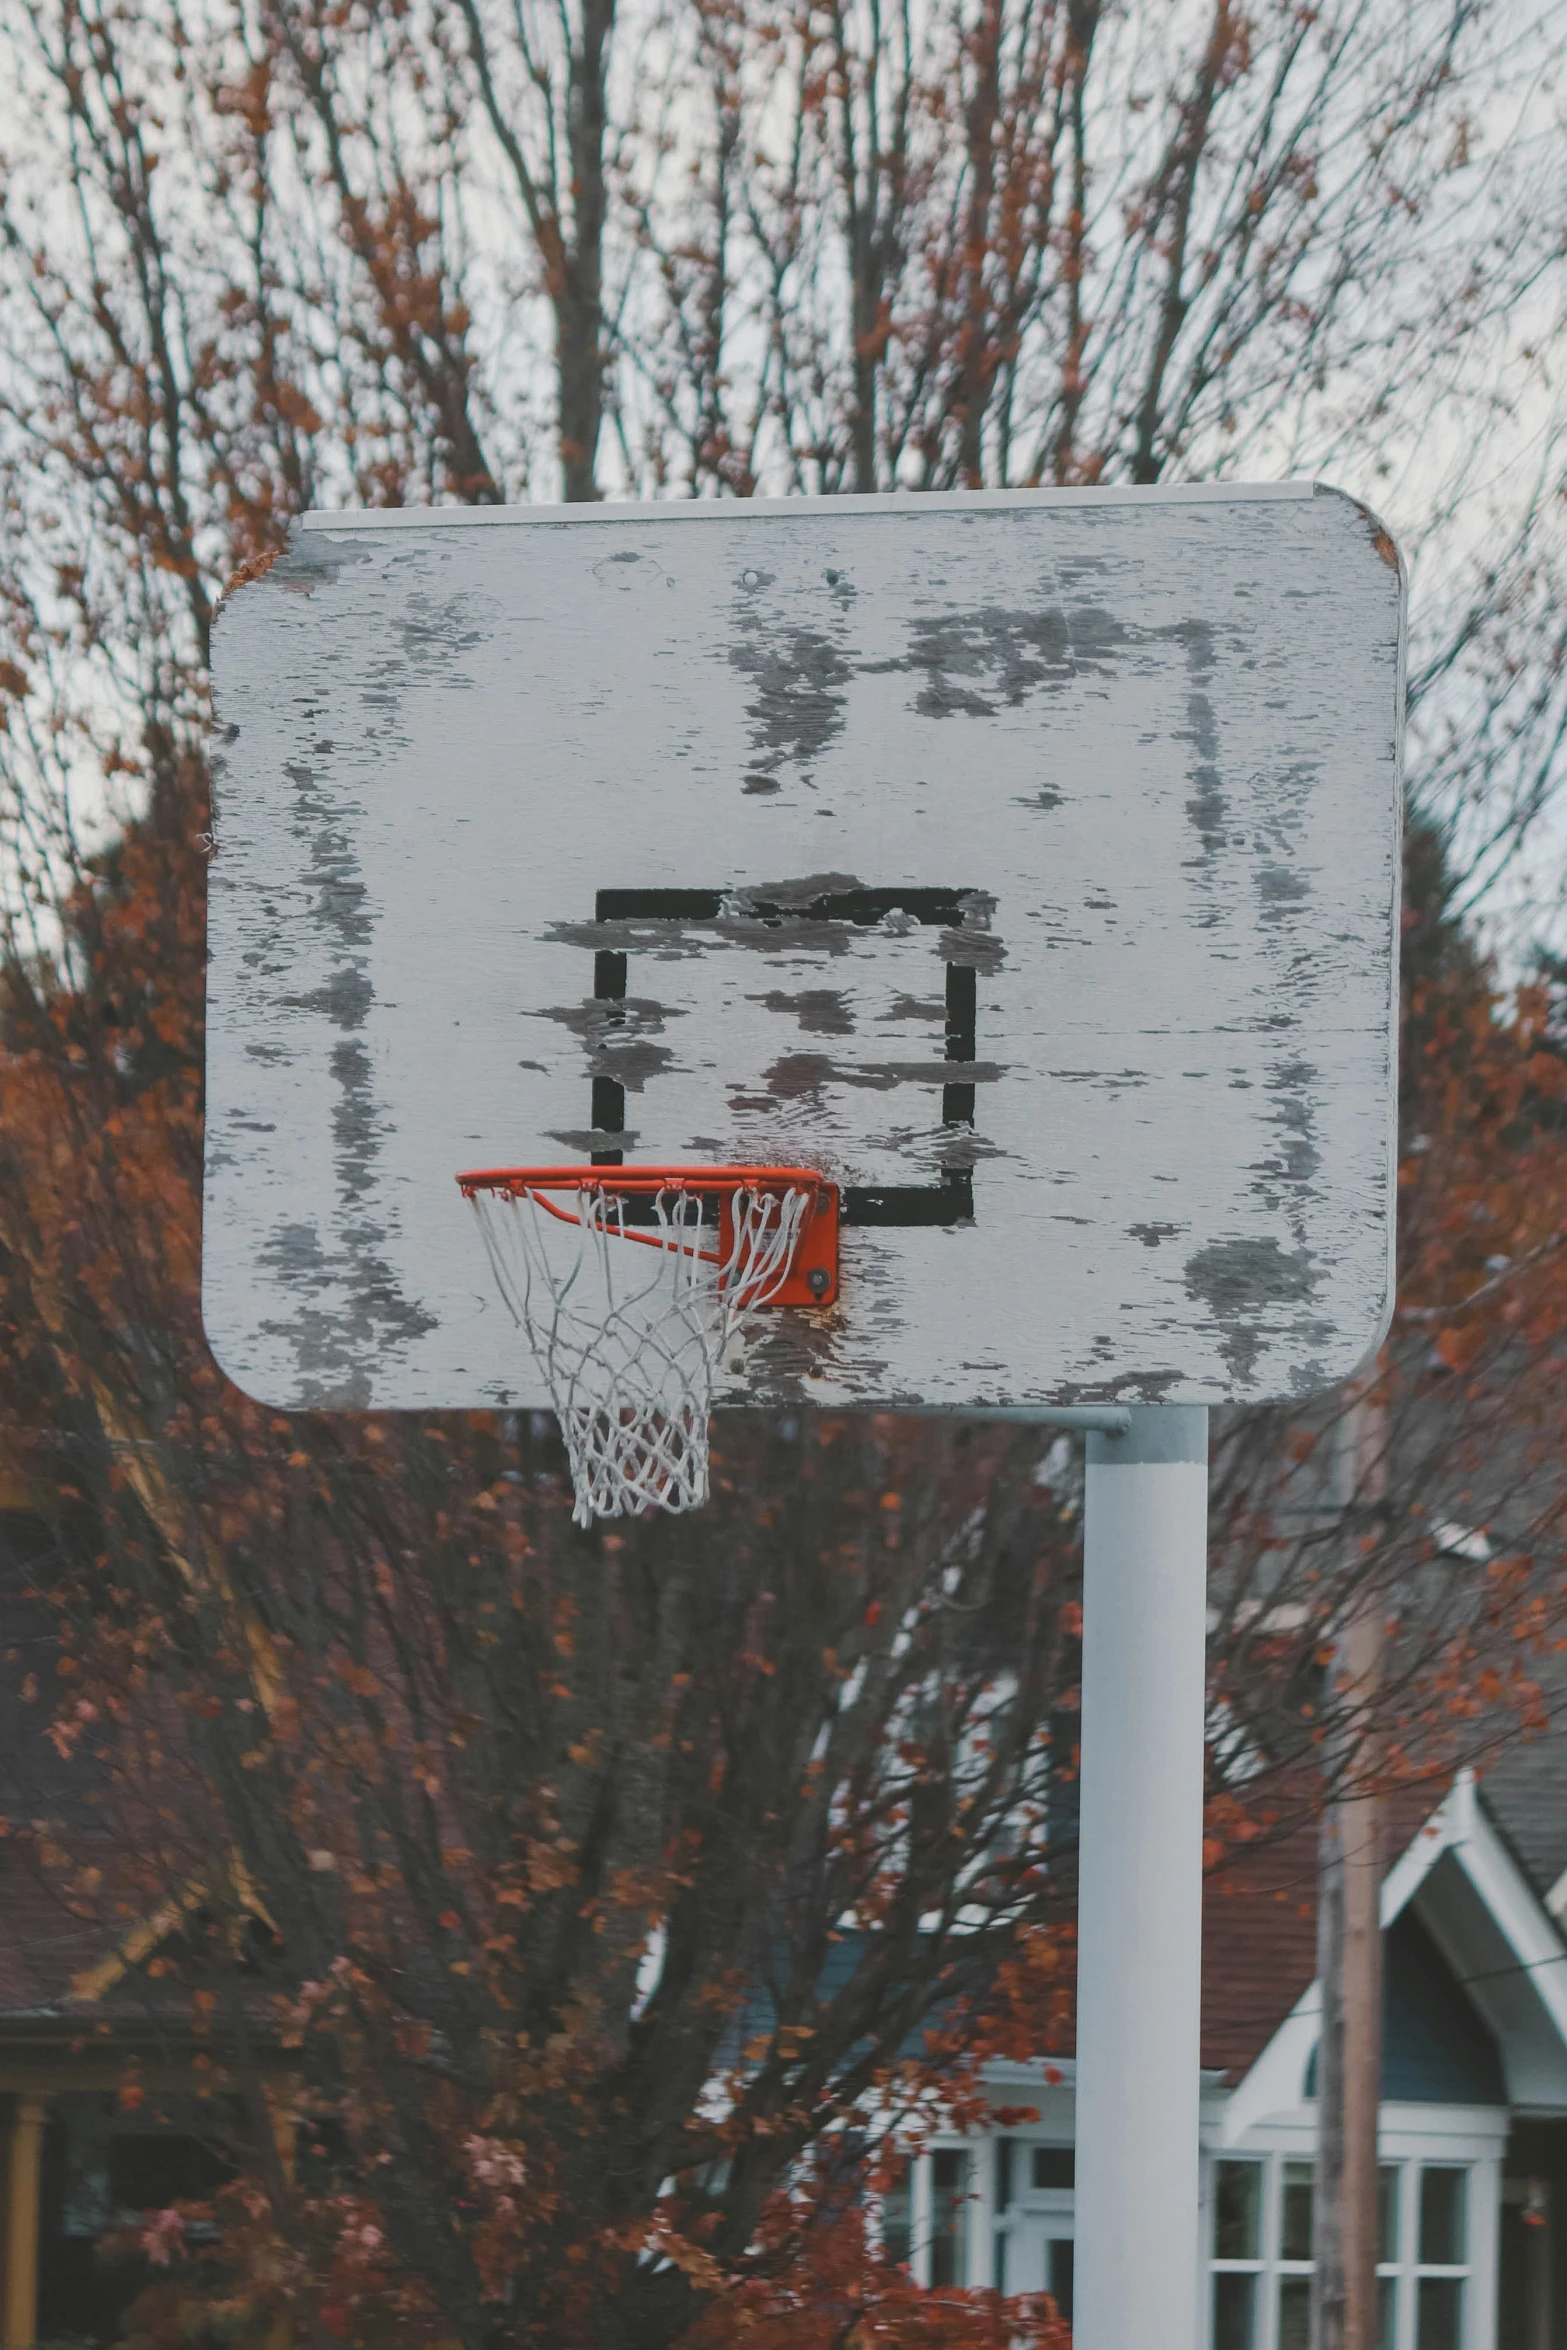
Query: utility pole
[(1349, 1940)]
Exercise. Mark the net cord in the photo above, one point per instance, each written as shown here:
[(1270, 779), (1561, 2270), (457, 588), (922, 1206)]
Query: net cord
[(631, 1339)]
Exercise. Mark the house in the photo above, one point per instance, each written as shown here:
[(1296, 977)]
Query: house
[(107, 2093), (1474, 2118), (1474, 2096)]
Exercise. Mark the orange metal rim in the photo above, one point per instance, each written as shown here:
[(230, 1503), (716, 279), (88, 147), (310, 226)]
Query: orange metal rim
[(641, 1179), (812, 1279)]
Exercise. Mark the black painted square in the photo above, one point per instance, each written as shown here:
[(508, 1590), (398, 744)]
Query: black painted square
[(949, 1201)]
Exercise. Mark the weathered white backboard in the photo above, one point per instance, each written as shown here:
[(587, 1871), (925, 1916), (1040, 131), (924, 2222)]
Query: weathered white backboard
[(1027, 863)]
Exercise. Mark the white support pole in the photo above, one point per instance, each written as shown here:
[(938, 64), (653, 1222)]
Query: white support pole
[(1140, 1882)]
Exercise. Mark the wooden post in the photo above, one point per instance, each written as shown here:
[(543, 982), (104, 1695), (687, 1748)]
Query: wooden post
[(285, 2137), (23, 2167), (1349, 1956)]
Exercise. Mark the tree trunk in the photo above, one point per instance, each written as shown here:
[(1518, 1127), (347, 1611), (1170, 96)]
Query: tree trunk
[(579, 307)]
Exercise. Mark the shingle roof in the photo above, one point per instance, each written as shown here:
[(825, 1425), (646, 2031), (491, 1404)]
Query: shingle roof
[(1525, 1791), (41, 1944), (36, 1781), (1260, 1931), (1259, 1948)]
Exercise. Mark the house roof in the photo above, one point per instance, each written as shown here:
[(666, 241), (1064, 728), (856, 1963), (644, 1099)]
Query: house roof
[(1259, 1909), (1260, 1931), (1525, 1790), (1437, 2049), (1477, 1969), (1259, 1916), (36, 1780), (42, 1945), (1259, 1945), (67, 1955)]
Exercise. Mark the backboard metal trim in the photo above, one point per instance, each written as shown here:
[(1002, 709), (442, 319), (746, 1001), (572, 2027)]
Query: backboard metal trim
[(895, 503)]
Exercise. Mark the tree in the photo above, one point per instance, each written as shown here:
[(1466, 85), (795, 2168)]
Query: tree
[(621, 1872), (531, 1838)]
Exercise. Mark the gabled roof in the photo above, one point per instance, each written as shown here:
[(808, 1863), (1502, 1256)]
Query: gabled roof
[(1499, 1948), (1260, 1933), (1259, 1946), (1525, 1791), (36, 1780), (1259, 1918), (42, 1947)]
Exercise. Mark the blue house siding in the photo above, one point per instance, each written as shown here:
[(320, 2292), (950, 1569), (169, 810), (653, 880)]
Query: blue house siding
[(757, 2018), (1435, 2048)]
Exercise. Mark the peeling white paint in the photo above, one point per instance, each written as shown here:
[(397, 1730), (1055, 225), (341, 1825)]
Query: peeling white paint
[(1154, 736)]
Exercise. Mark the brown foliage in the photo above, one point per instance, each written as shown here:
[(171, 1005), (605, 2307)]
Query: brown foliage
[(363, 1685), (597, 1888)]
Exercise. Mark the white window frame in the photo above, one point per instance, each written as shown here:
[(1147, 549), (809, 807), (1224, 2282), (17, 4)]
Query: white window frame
[(1409, 2268), (1053, 2205), (1263, 2263), (971, 2150), (1413, 2137), (1053, 2208), (922, 2203)]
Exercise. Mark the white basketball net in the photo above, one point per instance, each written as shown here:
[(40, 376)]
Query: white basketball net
[(630, 1323)]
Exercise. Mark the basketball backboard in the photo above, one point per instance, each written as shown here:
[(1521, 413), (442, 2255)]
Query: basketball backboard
[(1026, 863)]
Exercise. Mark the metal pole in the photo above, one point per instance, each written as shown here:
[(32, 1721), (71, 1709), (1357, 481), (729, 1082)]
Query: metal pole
[(1112, 1419), (1346, 2315), (1140, 1882)]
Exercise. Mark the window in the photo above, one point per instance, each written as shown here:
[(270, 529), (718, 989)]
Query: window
[(897, 2214), (1053, 2166), (923, 2215), (1003, 2213), (99, 2175), (1263, 2251), (1423, 2268), (1442, 2252), (1032, 2246), (1296, 2220), (949, 2210), (1059, 2259), (1387, 2254), (1237, 2253)]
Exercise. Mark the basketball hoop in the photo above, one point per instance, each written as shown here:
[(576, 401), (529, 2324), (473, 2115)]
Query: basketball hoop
[(631, 1284)]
